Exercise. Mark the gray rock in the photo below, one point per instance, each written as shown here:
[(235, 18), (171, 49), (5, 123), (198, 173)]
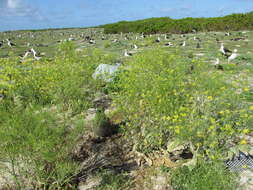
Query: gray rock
[(246, 180), (103, 101), (91, 183), (106, 72), (160, 182), (24, 172), (6, 179)]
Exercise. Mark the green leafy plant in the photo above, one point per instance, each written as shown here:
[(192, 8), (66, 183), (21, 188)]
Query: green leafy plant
[(102, 125), (212, 176), (113, 181)]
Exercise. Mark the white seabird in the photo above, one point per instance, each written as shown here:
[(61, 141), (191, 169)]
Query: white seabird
[(92, 41), (34, 54), (233, 55), (158, 40), (183, 44), (26, 54), (224, 50), (9, 43), (168, 44), (127, 54)]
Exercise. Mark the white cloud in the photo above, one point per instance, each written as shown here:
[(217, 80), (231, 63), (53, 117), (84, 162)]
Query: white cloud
[(10, 9), (13, 4), (22, 14), (14, 8)]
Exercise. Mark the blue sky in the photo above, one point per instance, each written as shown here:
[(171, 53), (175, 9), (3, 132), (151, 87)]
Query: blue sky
[(34, 14)]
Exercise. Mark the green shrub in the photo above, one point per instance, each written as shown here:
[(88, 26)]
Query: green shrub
[(107, 44), (37, 145), (211, 176), (113, 181), (101, 124), (41, 113), (185, 25), (163, 101)]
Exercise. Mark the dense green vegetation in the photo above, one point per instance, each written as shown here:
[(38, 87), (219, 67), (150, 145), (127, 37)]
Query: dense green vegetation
[(232, 22), (41, 116), (163, 98), (181, 104)]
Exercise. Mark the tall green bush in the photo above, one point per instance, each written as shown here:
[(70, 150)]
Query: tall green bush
[(164, 24)]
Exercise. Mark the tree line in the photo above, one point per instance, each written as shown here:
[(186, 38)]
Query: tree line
[(233, 22)]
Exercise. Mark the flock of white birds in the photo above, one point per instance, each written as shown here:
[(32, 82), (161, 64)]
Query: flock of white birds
[(93, 36)]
